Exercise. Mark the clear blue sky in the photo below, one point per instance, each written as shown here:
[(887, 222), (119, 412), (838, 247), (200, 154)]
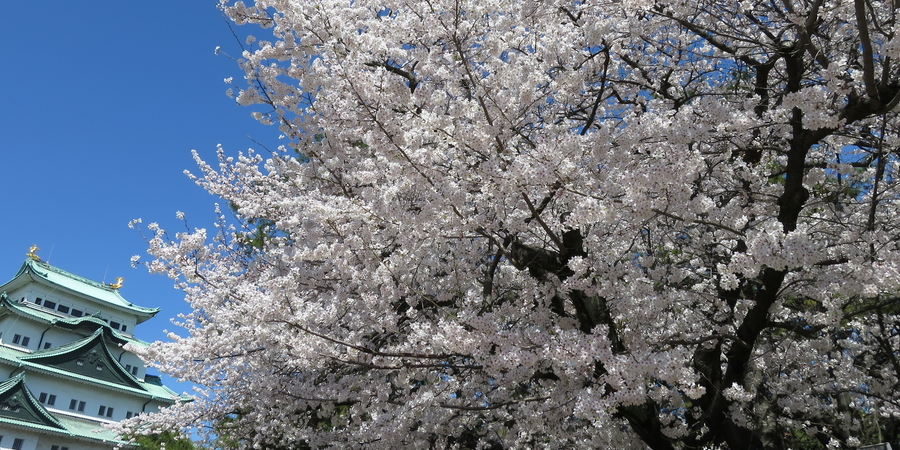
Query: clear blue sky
[(101, 105)]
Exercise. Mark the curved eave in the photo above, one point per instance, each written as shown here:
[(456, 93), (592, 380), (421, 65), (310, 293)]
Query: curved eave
[(28, 426), (17, 381), (43, 274), (76, 349), (20, 365), (69, 323)]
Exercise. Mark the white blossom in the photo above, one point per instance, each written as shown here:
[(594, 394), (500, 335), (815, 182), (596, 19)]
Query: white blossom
[(545, 224)]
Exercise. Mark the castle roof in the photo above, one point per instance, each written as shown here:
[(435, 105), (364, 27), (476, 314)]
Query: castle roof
[(42, 273), (19, 409), (89, 323)]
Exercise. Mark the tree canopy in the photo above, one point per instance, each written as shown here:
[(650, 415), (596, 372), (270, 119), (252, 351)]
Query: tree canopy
[(552, 224)]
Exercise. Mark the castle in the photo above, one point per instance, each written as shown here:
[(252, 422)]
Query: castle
[(62, 358)]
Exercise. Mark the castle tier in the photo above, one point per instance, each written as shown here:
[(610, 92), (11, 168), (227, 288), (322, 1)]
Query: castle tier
[(62, 353)]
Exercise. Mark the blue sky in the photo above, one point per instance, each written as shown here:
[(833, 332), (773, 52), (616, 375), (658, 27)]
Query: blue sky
[(101, 105)]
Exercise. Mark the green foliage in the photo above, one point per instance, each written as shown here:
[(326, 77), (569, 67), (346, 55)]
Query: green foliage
[(261, 231)]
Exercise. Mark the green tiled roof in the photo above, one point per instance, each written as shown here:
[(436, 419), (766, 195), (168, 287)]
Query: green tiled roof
[(67, 322), (148, 389), (82, 286), (71, 427), (18, 408), (17, 403), (89, 357), (86, 362)]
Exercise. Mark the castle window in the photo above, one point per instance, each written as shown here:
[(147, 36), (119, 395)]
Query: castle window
[(38, 300), (21, 340), (48, 399), (77, 313), (47, 345), (105, 411), (63, 309), (76, 405), (17, 443), (129, 415), (49, 304), (124, 327), (115, 325), (134, 370)]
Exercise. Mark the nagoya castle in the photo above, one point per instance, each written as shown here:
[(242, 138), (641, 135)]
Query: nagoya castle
[(62, 358)]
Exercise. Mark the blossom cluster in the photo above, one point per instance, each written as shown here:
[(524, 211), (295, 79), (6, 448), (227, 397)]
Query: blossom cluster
[(550, 224)]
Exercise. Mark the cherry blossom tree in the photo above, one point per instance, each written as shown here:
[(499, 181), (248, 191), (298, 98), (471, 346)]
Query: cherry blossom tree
[(552, 224)]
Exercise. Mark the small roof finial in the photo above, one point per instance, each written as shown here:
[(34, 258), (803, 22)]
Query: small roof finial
[(118, 283), (32, 253)]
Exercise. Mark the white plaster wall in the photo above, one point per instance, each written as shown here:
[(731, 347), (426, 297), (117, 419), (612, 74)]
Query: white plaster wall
[(94, 397), (10, 434)]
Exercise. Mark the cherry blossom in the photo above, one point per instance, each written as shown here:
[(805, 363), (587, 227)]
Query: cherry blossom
[(549, 224)]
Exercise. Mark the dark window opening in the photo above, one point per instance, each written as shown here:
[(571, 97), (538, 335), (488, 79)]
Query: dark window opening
[(46, 398), (25, 340), (63, 309), (77, 313), (75, 404), (17, 338), (17, 443), (49, 304), (47, 345)]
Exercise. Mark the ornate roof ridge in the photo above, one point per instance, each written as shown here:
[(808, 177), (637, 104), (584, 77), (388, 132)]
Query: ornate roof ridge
[(71, 275), (74, 350), (113, 298)]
